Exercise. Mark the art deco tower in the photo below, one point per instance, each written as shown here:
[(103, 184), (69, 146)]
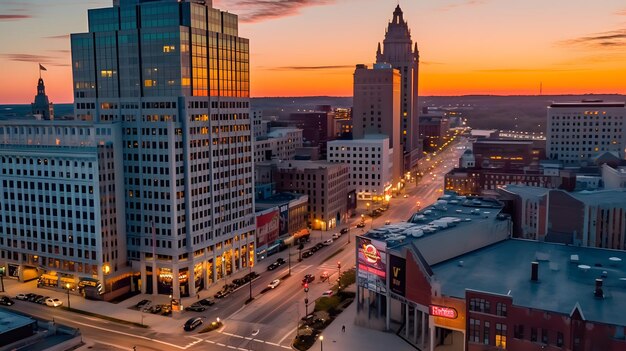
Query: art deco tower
[(175, 74), (399, 51)]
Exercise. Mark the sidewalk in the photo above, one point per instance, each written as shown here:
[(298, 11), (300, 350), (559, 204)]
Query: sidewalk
[(355, 337)]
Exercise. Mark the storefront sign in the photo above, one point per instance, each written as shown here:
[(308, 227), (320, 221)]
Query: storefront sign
[(397, 269), (267, 228), (444, 312), (372, 265)]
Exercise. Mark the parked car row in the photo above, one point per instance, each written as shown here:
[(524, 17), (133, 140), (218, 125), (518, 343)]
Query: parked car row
[(229, 288), (30, 297)]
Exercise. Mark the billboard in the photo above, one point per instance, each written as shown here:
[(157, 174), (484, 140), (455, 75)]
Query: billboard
[(267, 228), (397, 269), (284, 220), (372, 264)]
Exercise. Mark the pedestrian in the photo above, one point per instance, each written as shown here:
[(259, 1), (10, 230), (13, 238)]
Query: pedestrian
[(343, 328)]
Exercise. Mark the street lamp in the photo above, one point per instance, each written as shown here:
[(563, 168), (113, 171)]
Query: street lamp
[(67, 286), (368, 207), (321, 342)]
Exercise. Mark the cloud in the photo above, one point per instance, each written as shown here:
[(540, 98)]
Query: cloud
[(62, 36), (610, 39), (251, 11), (44, 60), (465, 3), (308, 68), (13, 17), (621, 13)]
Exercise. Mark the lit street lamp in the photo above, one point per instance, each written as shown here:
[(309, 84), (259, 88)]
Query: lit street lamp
[(321, 342), (67, 286)]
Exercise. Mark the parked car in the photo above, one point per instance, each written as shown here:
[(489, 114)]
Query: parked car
[(319, 245), (273, 266), (336, 236), (32, 297), (21, 296), (387, 222), (192, 323), (280, 261), (166, 310), (361, 225), (5, 300), (42, 300), (328, 242), (53, 302), (314, 248), (327, 293), (206, 302), (344, 230), (307, 254), (195, 307), (142, 304), (308, 278), (221, 294), (156, 309), (274, 284), (239, 282)]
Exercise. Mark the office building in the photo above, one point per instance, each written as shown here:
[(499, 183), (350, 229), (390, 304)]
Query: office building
[(377, 108), (63, 205), (326, 185), (278, 144), (370, 162), (318, 127), (578, 131), (433, 131), (176, 75), (399, 51)]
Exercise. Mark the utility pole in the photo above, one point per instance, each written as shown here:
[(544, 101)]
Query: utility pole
[(306, 299)]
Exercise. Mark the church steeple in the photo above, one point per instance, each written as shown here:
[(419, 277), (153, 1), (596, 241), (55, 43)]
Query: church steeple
[(379, 54), (397, 15), (42, 108)]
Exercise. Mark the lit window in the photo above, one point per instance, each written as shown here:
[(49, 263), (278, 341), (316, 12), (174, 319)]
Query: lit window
[(169, 48)]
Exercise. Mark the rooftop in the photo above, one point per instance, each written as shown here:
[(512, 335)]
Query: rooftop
[(588, 103), (279, 198), (458, 222), (10, 321), (566, 277)]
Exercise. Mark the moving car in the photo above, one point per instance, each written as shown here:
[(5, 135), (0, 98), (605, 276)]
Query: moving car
[(206, 302), (53, 302), (327, 293), (192, 323), (195, 307), (280, 261), (273, 266), (5, 300), (274, 283), (324, 276), (328, 242), (308, 278)]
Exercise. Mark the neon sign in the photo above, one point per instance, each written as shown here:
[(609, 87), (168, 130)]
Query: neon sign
[(444, 312), (371, 254)]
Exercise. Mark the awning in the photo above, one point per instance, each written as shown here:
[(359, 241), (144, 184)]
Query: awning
[(50, 277)]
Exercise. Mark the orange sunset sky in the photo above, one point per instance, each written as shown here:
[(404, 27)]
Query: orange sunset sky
[(310, 47)]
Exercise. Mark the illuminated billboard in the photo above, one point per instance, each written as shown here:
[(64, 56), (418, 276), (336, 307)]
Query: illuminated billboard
[(372, 264), (267, 228), (397, 269)]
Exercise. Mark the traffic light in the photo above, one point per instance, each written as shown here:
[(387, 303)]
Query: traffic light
[(306, 287), (338, 264)]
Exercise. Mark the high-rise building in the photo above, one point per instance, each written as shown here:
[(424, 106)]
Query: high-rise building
[(176, 75), (400, 51), (377, 108), (62, 204), (42, 108), (578, 131)]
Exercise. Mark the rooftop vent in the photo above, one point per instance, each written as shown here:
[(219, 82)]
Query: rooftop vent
[(534, 271), (598, 293)]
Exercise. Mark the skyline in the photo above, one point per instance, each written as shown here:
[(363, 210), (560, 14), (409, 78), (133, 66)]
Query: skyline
[(518, 48)]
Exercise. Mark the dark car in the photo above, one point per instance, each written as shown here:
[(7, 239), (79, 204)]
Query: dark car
[(221, 294), (206, 302), (156, 309), (319, 246), (192, 323), (307, 254), (5, 300), (360, 225), (314, 248), (142, 303), (344, 231), (308, 278), (280, 261), (41, 299), (196, 307), (32, 297), (273, 266)]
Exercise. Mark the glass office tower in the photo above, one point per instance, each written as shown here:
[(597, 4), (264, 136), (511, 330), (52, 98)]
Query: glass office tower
[(175, 74)]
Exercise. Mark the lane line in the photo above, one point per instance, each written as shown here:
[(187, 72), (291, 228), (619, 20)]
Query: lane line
[(124, 333), (287, 335), (108, 344)]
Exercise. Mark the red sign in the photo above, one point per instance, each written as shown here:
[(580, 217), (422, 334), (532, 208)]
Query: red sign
[(444, 312)]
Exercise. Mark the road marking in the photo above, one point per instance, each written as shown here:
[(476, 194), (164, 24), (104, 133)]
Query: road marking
[(108, 344), (271, 343), (220, 344), (124, 333), (231, 347), (287, 335)]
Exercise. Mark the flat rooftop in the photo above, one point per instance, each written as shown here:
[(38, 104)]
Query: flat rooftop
[(504, 268), (10, 321), (588, 103), (451, 220)]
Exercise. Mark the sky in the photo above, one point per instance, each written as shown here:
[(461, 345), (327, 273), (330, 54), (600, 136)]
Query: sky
[(310, 47)]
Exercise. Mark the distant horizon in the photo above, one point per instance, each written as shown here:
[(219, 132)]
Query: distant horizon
[(349, 97)]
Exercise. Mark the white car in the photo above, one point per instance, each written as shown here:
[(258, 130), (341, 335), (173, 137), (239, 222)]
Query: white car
[(327, 242), (53, 302), (336, 236), (21, 297), (274, 283), (327, 293)]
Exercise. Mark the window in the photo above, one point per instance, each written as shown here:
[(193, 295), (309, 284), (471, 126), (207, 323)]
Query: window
[(544, 336), (533, 334), (559, 339), (474, 330), (480, 305), (518, 331), (501, 309), (501, 335), (486, 333)]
